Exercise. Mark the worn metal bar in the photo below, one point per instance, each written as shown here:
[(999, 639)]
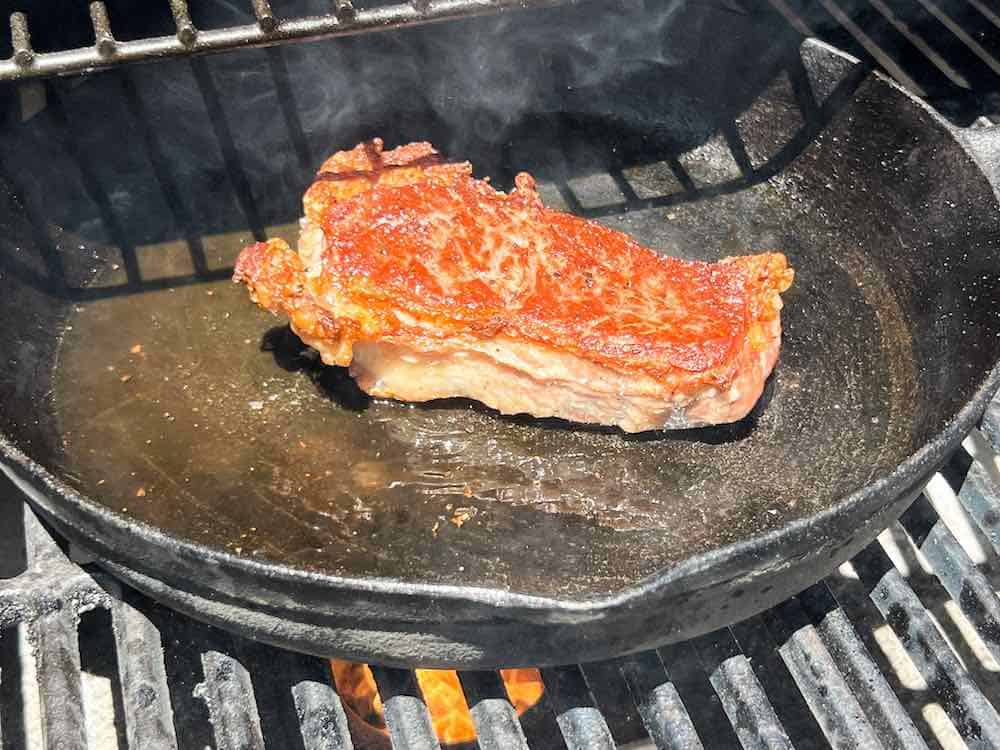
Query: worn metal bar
[(57, 656), (823, 687), (613, 698), (143, 677), (322, 721), (970, 711), (406, 716), (186, 31), (990, 424), (965, 583), (265, 16), (881, 704), (581, 723), (344, 10), (104, 40), (871, 47), (276, 674), (660, 706), (190, 40), (903, 27), (761, 650), (743, 699), (980, 497), (21, 40), (232, 705), (793, 19), (497, 725), (690, 674)]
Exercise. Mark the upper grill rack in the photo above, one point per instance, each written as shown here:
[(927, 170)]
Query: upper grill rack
[(268, 29), (899, 650), (946, 51)]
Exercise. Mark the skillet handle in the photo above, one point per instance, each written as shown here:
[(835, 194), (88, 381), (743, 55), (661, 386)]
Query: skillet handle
[(984, 145)]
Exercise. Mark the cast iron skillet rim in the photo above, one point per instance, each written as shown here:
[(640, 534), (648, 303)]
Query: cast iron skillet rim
[(931, 454)]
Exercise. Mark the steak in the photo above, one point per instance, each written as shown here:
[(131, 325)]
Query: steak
[(429, 283)]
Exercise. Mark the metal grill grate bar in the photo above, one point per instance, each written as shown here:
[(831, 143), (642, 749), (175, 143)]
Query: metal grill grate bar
[(322, 718), (275, 674), (58, 657), (265, 16), (743, 699), (406, 716), (689, 673), (21, 40), (581, 724), (103, 39), (980, 497), (229, 693), (991, 425), (884, 711), (964, 582), (345, 20), (497, 725), (660, 706), (968, 708), (824, 688), (186, 32), (146, 697)]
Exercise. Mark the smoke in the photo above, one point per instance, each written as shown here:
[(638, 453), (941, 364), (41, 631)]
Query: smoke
[(238, 136)]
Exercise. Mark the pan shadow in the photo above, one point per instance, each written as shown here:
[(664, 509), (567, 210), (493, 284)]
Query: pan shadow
[(336, 384)]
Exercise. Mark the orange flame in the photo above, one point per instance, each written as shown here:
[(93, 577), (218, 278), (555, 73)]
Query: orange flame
[(442, 693)]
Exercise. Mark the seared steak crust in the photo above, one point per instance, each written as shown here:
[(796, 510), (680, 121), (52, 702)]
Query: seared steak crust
[(429, 283)]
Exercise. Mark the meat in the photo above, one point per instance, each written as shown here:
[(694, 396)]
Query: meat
[(429, 284)]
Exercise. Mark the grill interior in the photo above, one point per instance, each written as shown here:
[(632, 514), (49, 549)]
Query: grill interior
[(900, 649)]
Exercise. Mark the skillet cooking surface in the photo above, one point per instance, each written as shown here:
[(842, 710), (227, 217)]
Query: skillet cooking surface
[(235, 440)]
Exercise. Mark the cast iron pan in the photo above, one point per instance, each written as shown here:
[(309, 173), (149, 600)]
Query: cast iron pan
[(162, 422)]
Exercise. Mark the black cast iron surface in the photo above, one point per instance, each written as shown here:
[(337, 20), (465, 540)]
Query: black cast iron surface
[(133, 379), (896, 650)]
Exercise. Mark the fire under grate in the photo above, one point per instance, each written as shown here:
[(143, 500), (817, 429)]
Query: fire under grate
[(900, 648)]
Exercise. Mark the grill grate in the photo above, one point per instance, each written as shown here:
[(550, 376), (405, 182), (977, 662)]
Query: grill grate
[(899, 649), (946, 51), (263, 30)]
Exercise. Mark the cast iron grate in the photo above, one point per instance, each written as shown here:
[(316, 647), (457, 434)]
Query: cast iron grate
[(900, 648)]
